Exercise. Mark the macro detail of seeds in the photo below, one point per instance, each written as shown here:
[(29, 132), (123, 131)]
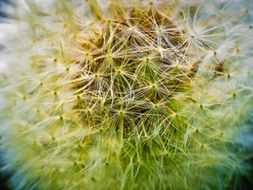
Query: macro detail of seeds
[(126, 94)]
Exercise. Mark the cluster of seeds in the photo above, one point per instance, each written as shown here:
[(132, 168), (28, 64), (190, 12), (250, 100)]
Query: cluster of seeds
[(127, 95)]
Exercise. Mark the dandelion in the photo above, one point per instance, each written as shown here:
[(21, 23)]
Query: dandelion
[(126, 94)]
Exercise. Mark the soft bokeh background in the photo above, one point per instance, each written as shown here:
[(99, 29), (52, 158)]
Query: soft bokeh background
[(4, 27)]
